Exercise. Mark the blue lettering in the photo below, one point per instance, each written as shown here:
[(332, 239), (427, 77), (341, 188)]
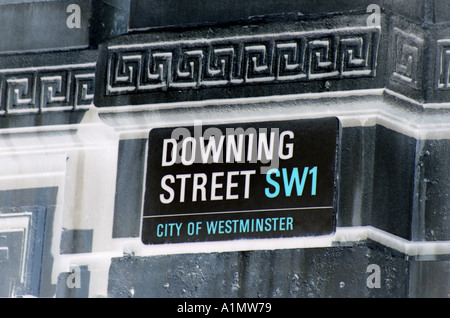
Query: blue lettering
[(221, 227), (268, 226), (244, 226), (313, 171), (228, 226), (289, 223), (235, 223), (211, 227), (259, 225), (273, 183), (159, 230), (239, 226), (281, 224), (288, 185), (168, 229)]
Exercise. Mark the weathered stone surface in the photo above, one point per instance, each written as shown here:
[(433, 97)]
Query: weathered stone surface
[(152, 14), (259, 59), (46, 88), (323, 272), (33, 25), (77, 105)]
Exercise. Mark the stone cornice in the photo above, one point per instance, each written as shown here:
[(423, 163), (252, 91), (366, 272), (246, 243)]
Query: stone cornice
[(326, 49)]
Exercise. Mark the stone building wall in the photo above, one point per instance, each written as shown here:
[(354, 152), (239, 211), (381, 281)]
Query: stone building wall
[(89, 91)]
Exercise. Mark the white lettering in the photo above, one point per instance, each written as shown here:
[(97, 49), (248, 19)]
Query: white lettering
[(221, 186), (235, 149), (231, 185), (289, 146), (211, 149), (196, 186), (173, 154), (167, 188), (247, 174), (183, 178), (262, 146), (215, 186), (188, 151)]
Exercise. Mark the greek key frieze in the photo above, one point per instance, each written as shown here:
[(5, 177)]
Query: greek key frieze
[(443, 65), (241, 60), (46, 88), (408, 56)]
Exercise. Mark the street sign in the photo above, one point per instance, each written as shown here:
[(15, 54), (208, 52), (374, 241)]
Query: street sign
[(240, 181)]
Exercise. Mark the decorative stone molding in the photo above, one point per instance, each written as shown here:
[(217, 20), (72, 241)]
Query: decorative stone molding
[(408, 58), (46, 88), (21, 237), (443, 65), (241, 60)]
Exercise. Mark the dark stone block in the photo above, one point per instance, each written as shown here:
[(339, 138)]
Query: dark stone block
[(434, 189), (376, 187), (130, 176), (314, 272), (430, 279), (151, 13), (393, 182), (357, 154), (76, 241), (147, 14), (110, 19), (441, 11), (42, 25)]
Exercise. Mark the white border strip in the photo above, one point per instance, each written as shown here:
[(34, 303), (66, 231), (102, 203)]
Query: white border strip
[(373, 112), (341, 236), (240, 101), (443, 105), (250, 37), (236, 212)]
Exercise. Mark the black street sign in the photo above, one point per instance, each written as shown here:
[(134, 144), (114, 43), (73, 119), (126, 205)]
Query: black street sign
[(234, 181)]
